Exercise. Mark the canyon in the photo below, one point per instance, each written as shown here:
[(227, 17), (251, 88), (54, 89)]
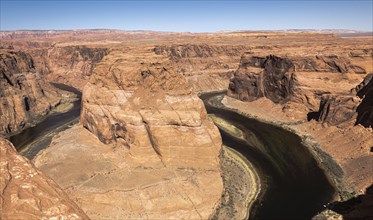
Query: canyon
[(25, 95), (163, 150), (145, 135)]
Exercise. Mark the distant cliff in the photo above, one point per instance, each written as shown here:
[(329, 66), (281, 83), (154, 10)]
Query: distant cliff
[(72, 65), (24, 94), (307, 84), (206, 67)]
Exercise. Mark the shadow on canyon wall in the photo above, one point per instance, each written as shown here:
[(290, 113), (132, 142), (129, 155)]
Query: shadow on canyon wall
[(359, 207)]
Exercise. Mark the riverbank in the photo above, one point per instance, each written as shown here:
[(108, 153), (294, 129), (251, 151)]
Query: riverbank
[(286, 167), (348, 168), (64, 104), (38, 136), (227, 127), (241, 186), (247, 110), (241, 180)]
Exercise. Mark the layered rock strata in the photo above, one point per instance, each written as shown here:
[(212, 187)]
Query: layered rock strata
[(327, 63), (27, 193), (274, 78), (300, 85), (72, 65), (24, 94), (341, 134), (206, 67), (206, 60), (150, 109), (357, 106), (155, 146)]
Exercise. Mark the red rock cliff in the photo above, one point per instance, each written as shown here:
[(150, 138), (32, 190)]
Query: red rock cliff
[(24, 94), (26, 193)]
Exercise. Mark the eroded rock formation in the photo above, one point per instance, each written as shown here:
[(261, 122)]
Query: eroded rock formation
[(335, 109), (24, 94), (129, 105), (272, 77), (156, 146), (331, 63), (72, 65), (26, 193), (177, 52), (150, 109), (205, 66), (358, 106), (324, 96), (365, 108)]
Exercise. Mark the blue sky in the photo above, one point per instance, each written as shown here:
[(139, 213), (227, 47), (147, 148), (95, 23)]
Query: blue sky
[(193, 16)]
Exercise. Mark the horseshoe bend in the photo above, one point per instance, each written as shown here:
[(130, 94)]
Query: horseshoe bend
[(114, 124)]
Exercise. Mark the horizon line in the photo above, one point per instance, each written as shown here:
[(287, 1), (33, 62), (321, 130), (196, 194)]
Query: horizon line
[(219, 31)]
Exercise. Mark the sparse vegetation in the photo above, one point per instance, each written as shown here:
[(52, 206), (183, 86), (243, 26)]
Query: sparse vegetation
[(241, 185)]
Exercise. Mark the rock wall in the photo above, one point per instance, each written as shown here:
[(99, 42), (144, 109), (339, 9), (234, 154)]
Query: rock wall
[(179, 51), (206, 67), (365, 109), (330, 63), (318, 86), (272, 77), (357, 107), (335, 109), (26, 193), (146, 106), (24, 94), (72, 65), (137, 103)]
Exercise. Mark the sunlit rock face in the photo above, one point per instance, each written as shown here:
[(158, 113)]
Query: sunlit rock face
[(318, 87), (205, 66), (143, 105), (157, 129), (26, 193), (72, 65)]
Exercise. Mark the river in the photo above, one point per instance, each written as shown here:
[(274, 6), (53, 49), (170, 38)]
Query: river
[(295, 187), (33, 139)]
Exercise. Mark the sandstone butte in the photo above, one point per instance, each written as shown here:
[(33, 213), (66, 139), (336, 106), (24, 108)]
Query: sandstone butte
[(140, 87), (161, 153)]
